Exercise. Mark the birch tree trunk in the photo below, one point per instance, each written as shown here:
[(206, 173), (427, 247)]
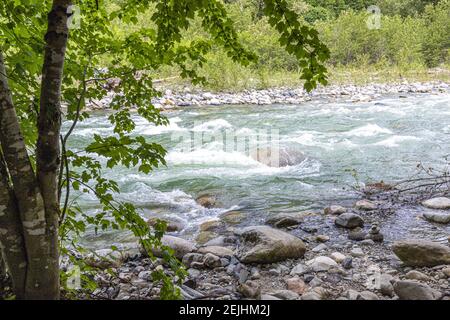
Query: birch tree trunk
[(29, 206)]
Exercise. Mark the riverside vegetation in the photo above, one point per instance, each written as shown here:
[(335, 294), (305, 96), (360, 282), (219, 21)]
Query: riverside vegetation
[(283, 258)]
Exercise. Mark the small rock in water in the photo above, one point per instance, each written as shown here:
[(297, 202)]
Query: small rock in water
[(335, 210), (349, 220), (437, 203), (366, 205)]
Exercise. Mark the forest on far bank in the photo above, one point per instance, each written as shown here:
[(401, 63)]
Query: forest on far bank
[(411, 41)]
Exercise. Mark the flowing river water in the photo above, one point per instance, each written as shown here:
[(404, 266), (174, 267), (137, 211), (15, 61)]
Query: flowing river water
[(329, 145)]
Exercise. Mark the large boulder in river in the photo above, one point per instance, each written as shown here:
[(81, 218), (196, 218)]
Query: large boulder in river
[(421, 253), (414, 290), (283, 220), (278, 157), (178, 245), (349, 220), (263, 244), (437, 203)]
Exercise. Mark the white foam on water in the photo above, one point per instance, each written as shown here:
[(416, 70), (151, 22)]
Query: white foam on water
[(210, 157), (146, 128), (395, 141), (368, 130), (213, 125)]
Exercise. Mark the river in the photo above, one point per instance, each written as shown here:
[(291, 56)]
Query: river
[(332, 145)]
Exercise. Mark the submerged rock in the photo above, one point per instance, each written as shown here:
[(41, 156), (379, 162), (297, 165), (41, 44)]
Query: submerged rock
[(349, 220), (421, 253), (437, 203), (414, 290), (262, 244), (232, 217)]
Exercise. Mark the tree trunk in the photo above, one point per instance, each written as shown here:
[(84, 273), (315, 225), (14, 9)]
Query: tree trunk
[(29, 206)]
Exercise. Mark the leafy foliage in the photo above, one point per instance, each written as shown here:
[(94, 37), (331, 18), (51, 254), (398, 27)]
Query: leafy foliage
[(98, 55)]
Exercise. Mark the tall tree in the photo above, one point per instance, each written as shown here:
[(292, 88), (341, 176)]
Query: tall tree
[(35, 186)]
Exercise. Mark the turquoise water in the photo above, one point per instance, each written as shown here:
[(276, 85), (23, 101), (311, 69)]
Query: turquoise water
[(379, 140)]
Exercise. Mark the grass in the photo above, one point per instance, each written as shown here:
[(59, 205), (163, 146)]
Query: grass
[(238, 78)]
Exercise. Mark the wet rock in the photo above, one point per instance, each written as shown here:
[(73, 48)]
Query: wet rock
[(262, 244), (222, 252), (414, 290), (296, 285), (349, 220), (207, 201), (205, 236), (232, 217), (211, 225), (321, 263), (179, 245), (437, 203), (366, 205), (335, 210), (443, 218), (284, 220), (421, 253), (173, 223)]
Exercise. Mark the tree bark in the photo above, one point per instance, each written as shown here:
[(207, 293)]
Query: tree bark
[(12, 249), (31, 207)]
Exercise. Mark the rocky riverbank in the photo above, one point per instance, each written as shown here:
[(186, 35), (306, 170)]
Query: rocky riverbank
[(350, 93), (270, 262)]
